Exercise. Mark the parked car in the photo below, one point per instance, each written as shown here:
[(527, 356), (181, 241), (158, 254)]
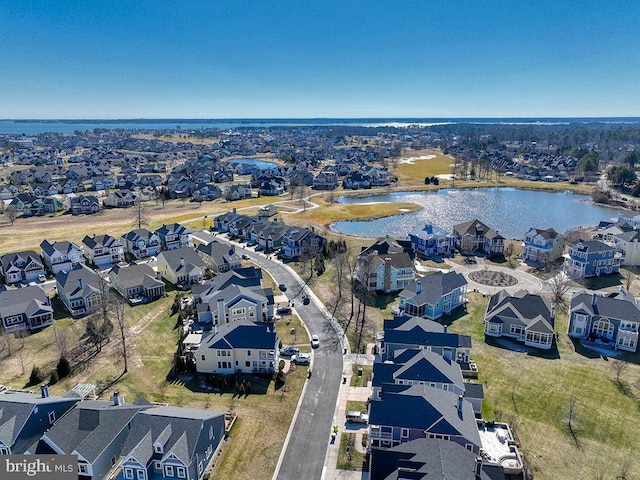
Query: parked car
[(315, 341), (283, 310), (289, 351), (245, 256), (301, 359), (282, 287), (355, 416), (42, 278), (306, 299)]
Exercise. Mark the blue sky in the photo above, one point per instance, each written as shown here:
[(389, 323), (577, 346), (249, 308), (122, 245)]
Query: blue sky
[(275, 59)]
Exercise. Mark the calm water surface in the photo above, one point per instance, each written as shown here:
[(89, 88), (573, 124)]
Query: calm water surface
[(510, 211)]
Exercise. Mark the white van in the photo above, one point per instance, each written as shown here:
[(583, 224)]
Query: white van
[(355, 416)]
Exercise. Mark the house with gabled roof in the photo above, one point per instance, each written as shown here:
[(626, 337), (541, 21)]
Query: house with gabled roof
[(26, 416), (432, 240), (238, 192), (475, 236), (247, 277), (25, 266), (298, 241), (219, 257), (137, 283), (121, 199), (434, 295), (181, 266), (79, 290), (239, 347), (235, 302), (326, 180), (612, 319), (25, 308), (85, 204), (386, 266), (61, 256), (171, 442), (141, 243), (524, 316), (173, 236), (95, 431), (102, 250), (221, 222), (541, 247), (591, 258)]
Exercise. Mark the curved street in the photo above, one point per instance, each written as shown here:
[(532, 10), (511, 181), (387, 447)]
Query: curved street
[(305, 447)]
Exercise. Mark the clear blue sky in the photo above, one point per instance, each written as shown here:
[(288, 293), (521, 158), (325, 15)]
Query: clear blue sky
[(323, 58)]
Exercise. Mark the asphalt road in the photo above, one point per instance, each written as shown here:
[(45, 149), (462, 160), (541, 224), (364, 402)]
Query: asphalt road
[(307, 445)]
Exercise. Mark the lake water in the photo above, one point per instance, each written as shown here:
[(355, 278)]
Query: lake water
[(510, 211), (261, 164)]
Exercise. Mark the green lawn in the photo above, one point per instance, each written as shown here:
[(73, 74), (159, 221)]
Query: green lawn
[(533, 392)]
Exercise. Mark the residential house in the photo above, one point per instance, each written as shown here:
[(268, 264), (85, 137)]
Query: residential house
[(611, 319), (221, 222), (25, 266), (541, 247), (171, 442), (121, 199), (173, 236), (239, 347), (238, 227), (527, 317), (219, 257), (141, 243), (432, 240), (137, 283), (299, 242), (80, 290), (234, 302), (238, 192), (206, 192), (407, 332), (95, 431), (26, 308), (326, 180), (181, 266), (435, 413), (431, 459), (386, 266), (249, 277), (267, 211), (26, 416), (434, 295), (102, 251), (624, 238), (85, 204), (61, 256), (475, 236), (272, 187), (591, 258), (72, 186)]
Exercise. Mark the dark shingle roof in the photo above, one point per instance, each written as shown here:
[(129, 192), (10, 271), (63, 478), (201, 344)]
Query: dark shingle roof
[(433, 286), (241, 334)]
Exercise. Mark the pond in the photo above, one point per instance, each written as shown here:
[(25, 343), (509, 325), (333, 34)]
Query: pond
[(509, 210), (255, 162)]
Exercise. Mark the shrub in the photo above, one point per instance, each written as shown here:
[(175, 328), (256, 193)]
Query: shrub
[(37, 376), (53, 378), (63, 368)]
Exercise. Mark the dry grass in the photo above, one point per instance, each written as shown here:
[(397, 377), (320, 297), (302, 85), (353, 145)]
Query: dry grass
[(179, 138), (415, 171)]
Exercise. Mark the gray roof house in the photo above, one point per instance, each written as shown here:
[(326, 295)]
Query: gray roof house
[(474, 236), (181, 266), (79, 290), (235, 302), (61, 256), (612, 319), (386, 266), (102, 250), (141, 243), (242, 346), (434, 295), (219, 257), (26, 308), (431, 459), (170, 442), (137, 283), (527, 317), (26, 416), (23, 266), (174, 236)]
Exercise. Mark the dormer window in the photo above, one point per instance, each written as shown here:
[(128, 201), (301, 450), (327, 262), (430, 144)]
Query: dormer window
[(157, 448)]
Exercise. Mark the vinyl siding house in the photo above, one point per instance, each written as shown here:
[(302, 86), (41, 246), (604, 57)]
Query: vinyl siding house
[(181, 266), (526, 317), (542, 246), (432, 240), (434, 295), (219, 257), (96, 432), (79, 290), (622, 237), (26, 308), (474, 236), (235, 303), (85, 204), (297, 242), (611, 319), (174, 236), (141, 243), (61, 256), (136, 283), (221, 222), (102, 250), (171, 442), (26, 416), (239, 347), (591, 258), (25, 266), (386, 266), (407, 332)]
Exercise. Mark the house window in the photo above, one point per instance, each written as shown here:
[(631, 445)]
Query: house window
[(469, 446), (158, 449), (210, 433), (52, 417), (168, 470), (4, 451), (157, 465), (200, 467), (181, 472), (248, 353), (141, 474), (82, 468), (128, 473), (517, 329), (247, 364), (404, 433)]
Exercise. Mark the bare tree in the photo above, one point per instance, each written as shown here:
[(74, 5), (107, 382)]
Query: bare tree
[(61, 340), (560, 285), (11, 215), (628, 277), (619, 367), (6, 343), (140, 217), (120, 316), (571, 418)]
